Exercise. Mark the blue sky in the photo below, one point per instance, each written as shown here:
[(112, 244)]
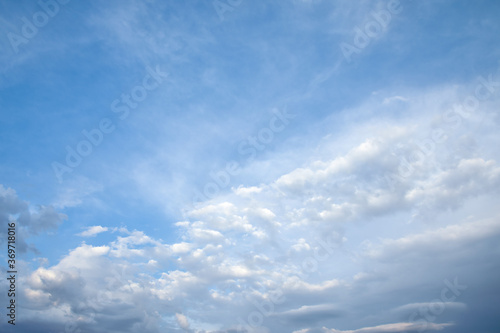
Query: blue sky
[(243, 172)]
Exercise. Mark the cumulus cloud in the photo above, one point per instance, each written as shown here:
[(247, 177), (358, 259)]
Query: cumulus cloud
[(182, 320), (30, 221), (286, 237), (330, 236), (93, 231)]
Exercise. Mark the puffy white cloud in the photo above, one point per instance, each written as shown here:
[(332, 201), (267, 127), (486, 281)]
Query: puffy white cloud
[(244, 191), (93, 231), (182, 320)]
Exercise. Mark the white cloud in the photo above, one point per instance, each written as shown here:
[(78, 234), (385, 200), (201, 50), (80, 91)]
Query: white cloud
[(305, 311), (295, 284), (387, 328), (182, 320), (392, 99), (255, 240), (454, 236), (243, 191), (417, 306), (93, 231)]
